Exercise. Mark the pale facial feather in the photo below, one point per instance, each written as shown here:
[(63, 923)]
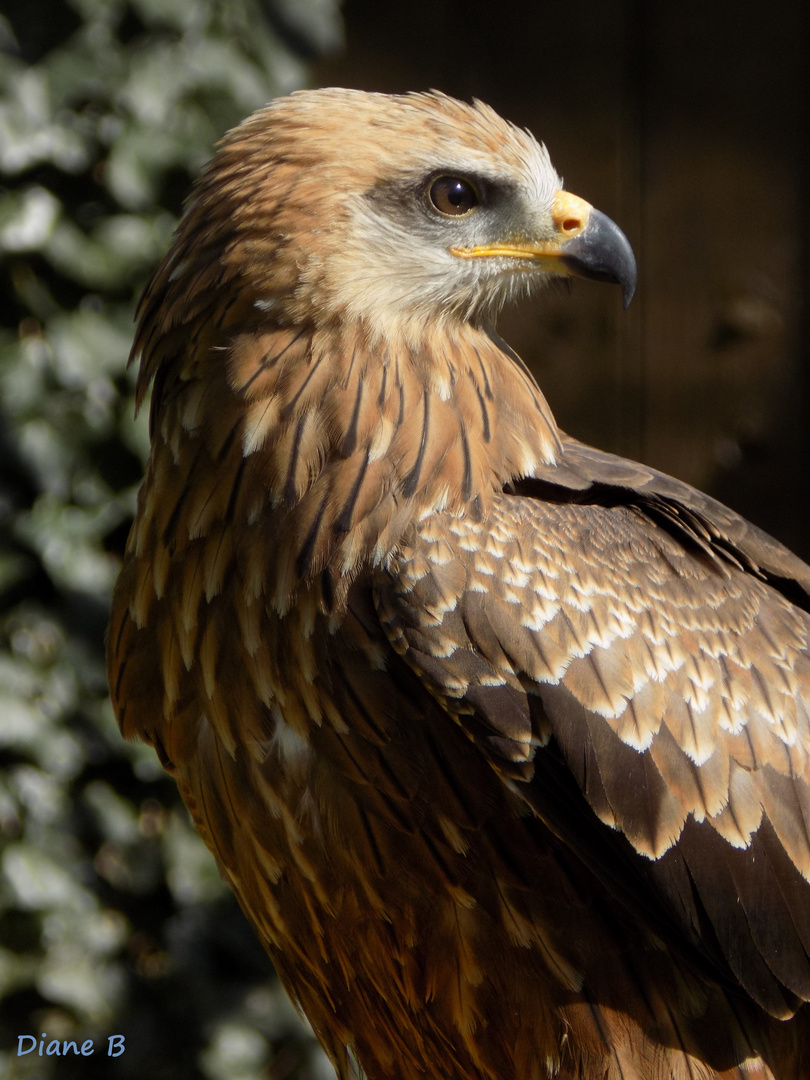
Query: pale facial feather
[(327, 192)]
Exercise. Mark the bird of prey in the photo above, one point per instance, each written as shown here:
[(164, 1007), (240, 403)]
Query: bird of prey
[(501, 741)]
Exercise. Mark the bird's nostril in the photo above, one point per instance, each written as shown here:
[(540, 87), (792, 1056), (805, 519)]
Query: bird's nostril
[(570, 214)]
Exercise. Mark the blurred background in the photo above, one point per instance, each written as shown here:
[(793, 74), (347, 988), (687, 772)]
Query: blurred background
[(687, 123)]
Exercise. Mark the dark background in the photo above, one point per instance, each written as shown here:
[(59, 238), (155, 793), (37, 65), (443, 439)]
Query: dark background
[(686, 122)]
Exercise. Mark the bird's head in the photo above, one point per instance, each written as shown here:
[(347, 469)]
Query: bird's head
[(394, 210)]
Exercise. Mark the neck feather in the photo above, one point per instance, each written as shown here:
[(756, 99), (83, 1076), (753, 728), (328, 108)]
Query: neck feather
[(326, 444)]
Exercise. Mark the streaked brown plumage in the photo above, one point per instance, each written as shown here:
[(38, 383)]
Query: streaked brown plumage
[(501, 741)]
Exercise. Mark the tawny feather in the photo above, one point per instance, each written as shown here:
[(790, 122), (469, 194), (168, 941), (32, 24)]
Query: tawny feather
[(500, 741)]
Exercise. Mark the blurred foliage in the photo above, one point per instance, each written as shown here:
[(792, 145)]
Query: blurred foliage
[(113, 919)]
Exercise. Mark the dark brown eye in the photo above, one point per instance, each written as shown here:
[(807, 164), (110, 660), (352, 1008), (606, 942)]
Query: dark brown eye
[(453, 196)]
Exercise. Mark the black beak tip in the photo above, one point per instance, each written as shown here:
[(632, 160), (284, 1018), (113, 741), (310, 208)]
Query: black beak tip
[(628, 288), (602, 252)]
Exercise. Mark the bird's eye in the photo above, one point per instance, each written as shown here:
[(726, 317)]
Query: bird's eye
[(453, 196)]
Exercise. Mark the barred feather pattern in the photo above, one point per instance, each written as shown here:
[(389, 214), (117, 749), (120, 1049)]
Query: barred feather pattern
[(500, 741)]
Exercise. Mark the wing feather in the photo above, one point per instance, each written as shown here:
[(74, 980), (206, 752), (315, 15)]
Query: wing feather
[(665, 667)]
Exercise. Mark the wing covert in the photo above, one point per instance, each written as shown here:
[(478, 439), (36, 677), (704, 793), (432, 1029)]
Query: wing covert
[(672, 686)]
